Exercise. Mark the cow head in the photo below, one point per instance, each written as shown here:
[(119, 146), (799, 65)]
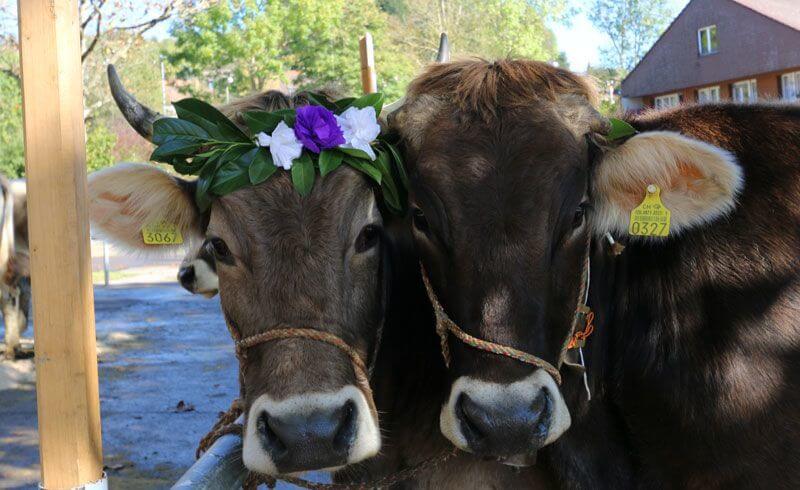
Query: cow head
[(283, 260), (511, 177)]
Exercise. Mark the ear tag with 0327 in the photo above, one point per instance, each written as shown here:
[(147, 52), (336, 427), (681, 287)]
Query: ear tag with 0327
[(651, 217)]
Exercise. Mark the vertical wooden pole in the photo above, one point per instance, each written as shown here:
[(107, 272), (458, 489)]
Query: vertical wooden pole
[(369, 79), (55, 160)]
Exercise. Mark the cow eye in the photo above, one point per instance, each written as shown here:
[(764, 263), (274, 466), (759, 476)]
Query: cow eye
[(368, 237), (419, 220), (580, 216), (218, 249)]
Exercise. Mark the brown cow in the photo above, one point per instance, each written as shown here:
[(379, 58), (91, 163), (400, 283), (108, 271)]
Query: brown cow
[(695, 362), (15, 284), (323, 261)]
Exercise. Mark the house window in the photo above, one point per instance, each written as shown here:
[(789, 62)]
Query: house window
[(746, 91), (707, 40), (790, 86), (665, 101), (708, 94)]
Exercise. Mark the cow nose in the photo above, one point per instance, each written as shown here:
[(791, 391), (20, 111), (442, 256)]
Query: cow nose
[(505, 428), (186, 277), (311, 441)]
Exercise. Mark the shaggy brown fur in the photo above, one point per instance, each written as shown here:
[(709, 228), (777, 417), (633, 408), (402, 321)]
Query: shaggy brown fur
[(694, 362)]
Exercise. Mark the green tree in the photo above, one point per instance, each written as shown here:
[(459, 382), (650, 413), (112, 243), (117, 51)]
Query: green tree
[(488, 28), (248, 45), (12, 162), (632, 26)]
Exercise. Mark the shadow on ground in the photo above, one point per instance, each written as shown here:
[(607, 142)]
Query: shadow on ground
[(158, 346)]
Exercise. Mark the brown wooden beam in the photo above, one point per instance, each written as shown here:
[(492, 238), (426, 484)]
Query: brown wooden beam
[(55, 160), (369, 78)]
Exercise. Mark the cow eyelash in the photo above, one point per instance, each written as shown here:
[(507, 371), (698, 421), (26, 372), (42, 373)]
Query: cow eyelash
[(419, 220), (368, 237), (580, 215), (217, 248)]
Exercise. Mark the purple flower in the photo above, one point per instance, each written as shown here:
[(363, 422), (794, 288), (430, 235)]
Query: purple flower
[(317, 129)]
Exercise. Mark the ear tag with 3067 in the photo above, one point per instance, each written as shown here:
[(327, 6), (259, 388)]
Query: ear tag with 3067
[(651, 217), (161, 233)]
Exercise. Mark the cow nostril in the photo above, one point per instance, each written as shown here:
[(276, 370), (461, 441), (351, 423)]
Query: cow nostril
[(271, 441), (186, 276), (346, 432), (471, 421)]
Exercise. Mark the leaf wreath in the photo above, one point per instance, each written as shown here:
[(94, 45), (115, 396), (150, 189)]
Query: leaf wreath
[(202, 141)]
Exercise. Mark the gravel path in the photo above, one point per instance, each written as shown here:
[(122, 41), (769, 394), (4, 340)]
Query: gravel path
[(158, 346)]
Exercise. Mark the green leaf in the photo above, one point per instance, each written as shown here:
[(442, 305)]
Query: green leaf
[(375, 100), (169, 129), (398, 164), (303, 174), (329, 160), (261, 165), (343, 104), (388, 186), (259, 121), (321, 100), (288, 115), (166, 152), (232, 134), (233, 153), (353, 152), (365, 167), (201, 196), (186, 167), (209, 118), (620, 129), (230, 176)]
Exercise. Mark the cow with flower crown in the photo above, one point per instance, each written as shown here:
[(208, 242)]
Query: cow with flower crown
[(294, 208)]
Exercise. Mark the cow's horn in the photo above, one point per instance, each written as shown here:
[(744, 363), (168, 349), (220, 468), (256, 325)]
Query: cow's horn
[(443, 56), (139, 116)]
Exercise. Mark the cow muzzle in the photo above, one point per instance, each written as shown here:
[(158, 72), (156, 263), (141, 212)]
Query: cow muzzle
[(316, 431), (507, 422), (198, 277)]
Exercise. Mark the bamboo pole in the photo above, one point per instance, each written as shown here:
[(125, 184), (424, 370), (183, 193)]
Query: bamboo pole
[(55, 159), (369, 79)]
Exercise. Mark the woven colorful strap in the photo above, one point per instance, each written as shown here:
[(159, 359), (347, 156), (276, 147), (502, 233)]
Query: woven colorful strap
[(359, 367), (445, 325)]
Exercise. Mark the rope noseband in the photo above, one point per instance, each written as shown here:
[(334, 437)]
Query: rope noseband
[(359, 366), (575, 339)]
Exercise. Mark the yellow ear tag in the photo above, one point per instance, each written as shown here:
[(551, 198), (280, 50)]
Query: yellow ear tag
[(651, 217), (161, 233)]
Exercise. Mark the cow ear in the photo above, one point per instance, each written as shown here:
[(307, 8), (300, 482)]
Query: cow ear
[(699, 182), (127, 197)]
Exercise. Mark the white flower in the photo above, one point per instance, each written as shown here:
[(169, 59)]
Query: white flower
[(283, 145), (360, 128)]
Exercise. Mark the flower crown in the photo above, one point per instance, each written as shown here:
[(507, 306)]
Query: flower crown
[(202, 141)]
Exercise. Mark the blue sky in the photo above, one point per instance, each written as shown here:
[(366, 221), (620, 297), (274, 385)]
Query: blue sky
[(582, 41)]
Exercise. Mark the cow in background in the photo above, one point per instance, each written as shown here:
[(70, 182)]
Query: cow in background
[(15, 286)]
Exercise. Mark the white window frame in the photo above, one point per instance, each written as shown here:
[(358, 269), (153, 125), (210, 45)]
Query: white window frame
[(667, 100), (790, 86), (707, 95), (738, 94), (705, 32)]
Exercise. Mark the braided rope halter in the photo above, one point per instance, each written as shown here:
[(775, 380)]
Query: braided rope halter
[(575, 338), (226, 424)]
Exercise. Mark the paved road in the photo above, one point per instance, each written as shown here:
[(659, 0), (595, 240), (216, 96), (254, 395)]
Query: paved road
[(158, 346)]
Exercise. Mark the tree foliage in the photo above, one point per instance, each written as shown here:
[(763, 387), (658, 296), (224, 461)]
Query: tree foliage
[(632, 26), (488, 28), (251, 44)]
